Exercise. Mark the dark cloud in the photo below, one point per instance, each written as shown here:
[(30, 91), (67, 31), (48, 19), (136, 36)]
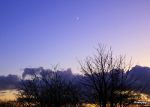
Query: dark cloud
[(65, 74), (142, 77), (139, 73), (31, 71), (9, 82)]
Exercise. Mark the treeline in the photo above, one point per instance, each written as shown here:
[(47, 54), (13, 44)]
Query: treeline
[(104, 80), (49, 88)]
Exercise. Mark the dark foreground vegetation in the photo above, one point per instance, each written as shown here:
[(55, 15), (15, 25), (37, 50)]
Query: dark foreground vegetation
[(105, 80)]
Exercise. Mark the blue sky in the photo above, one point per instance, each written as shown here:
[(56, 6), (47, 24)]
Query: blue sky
[(37, 33)]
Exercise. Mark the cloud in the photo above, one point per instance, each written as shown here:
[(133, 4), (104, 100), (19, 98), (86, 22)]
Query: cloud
[(142, 77), (65, 74), (139, 73), (9, 82), (31, 71)]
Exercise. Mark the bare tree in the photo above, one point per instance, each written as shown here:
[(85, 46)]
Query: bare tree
[(107, 76), (49, 89)]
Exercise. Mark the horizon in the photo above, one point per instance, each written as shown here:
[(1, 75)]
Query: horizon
[(9, 84), (50, 33)]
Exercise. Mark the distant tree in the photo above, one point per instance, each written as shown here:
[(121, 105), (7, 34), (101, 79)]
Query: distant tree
[(107, 76), (29, 92), (49, 89)]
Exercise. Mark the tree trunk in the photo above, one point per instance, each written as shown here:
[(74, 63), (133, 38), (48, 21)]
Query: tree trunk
[(104, 103)]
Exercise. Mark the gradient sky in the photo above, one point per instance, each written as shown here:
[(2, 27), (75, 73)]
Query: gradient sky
[(37, 33)]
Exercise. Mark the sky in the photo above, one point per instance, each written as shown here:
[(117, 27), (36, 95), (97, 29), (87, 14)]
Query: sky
[(36, 33)]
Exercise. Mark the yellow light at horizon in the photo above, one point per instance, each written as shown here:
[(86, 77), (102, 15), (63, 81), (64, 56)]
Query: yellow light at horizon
[(8, 95)]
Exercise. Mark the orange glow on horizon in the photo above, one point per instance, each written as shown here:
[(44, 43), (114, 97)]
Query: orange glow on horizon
[(8, 95)]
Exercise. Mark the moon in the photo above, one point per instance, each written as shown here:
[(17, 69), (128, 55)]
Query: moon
[(77, 18)]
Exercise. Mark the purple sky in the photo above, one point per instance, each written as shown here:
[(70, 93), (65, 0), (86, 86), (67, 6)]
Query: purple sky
[(37, 33)]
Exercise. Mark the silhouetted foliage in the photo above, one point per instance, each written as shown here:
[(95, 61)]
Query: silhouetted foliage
[(48, 89), (107, 77)]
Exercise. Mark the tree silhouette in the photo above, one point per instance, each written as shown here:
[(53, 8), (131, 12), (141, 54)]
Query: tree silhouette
[(108, 77), (49, 89)]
